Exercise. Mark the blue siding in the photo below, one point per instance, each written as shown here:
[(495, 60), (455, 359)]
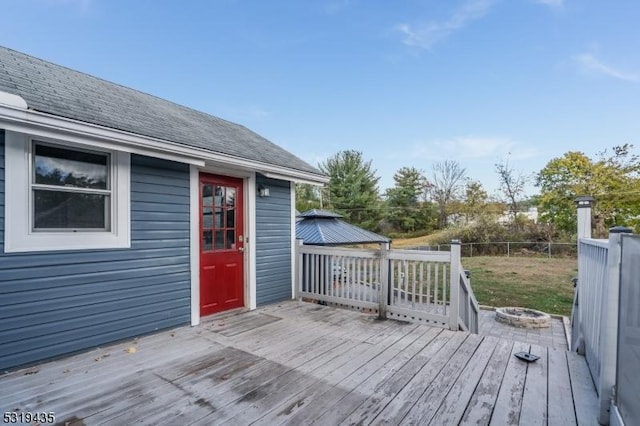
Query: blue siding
[(273, 242), (53, 303)]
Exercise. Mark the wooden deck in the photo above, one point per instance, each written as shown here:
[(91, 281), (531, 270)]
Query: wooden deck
[(299, 363)]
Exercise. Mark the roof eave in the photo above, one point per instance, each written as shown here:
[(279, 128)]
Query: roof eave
[(17, 118)]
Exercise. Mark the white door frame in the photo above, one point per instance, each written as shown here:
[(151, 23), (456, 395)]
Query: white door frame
[(249, 179)]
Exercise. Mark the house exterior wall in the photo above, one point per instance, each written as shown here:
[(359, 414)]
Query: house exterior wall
[(57, 302), (273, 242)]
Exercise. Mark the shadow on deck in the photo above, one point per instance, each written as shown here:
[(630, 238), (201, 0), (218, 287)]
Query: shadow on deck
[(301, 363)]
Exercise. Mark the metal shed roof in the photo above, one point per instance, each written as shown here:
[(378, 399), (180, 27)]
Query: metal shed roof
[(324, 228)]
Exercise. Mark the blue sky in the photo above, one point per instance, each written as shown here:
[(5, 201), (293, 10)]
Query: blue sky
[(406, 82)]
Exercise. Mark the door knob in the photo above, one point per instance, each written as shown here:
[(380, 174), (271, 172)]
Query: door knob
[(241, 249)]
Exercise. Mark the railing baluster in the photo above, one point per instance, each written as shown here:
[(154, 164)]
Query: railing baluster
[(413, 288), (444, 288), (421, 275), (429, 281), (436, 285), (358, 280)]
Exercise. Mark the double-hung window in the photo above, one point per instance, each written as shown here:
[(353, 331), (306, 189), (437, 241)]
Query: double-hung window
[(71, 189), (63, 196)]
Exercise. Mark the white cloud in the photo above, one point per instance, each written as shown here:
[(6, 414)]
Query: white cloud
[(46, 165), (428, 35), (473, 148), (591, 64)]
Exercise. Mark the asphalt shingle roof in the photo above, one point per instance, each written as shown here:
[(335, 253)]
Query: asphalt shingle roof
[(60, 91), (323, 228)]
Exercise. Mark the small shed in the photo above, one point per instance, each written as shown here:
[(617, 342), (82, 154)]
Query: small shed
[(325, 228)]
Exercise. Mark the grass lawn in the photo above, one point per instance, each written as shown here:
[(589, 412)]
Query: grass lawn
[(531, 282)]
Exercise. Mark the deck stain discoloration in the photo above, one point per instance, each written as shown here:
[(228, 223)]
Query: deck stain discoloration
[(313, 365), (288, 410)]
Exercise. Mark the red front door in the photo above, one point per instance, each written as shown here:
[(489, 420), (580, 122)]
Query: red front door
[(221, 244)]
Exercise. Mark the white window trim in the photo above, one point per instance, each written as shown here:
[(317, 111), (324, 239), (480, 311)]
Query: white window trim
[(19, 237)]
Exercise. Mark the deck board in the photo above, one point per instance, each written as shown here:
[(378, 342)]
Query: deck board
[(509, 401), (300, 363), (534, 398), (451, 410), (561, 409), (480, 407), (585, 400), (306, 409), (394, 399)]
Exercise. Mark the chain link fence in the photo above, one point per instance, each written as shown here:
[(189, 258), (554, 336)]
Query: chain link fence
[(511, 248)]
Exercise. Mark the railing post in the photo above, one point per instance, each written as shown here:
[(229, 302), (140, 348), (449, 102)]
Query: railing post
[(383, 291), (298, 270), (608, 351), (454, 283), (583, 204)]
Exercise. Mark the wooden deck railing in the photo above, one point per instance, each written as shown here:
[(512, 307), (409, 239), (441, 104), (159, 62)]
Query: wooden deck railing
[(423, 286)]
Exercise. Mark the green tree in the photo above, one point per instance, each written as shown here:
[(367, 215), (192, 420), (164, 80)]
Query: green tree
[(307, 197), (613, 179), (353, 188), (404, 210), (475, 201)]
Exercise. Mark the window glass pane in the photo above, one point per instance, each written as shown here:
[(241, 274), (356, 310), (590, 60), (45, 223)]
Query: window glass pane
[(219, 195), (231, 197), (219, 223), (207, 217), (207, 237), (207, 195), (231, 239), (64, 167), (68, 210), (219, 241), (231, 218)]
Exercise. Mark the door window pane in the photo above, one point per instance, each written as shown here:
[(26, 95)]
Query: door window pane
[(70, 210), (219, 223), (220, 215), (219, 240), (207, 217), (207, 195), (219, 195), (231, 197), (231, 239), (231, 218), (207, 237)]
